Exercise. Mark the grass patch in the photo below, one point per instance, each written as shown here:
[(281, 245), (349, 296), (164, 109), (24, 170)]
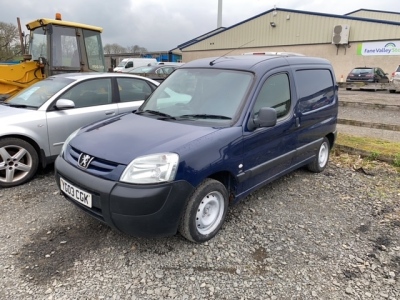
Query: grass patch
[(372, 149), (375, 147)]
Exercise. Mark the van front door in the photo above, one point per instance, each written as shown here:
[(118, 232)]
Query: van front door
[(268, 151)]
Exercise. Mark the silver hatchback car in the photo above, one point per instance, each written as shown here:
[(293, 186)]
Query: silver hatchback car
[(36, 122)]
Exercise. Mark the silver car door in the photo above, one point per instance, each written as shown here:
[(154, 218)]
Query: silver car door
[(93, 102), (133, 92)]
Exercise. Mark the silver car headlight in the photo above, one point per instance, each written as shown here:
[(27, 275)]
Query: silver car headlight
[(69, 138), (154, 168)]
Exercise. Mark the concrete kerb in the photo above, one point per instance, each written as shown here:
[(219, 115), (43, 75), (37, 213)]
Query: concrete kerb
[(362, 153), (389, 127)]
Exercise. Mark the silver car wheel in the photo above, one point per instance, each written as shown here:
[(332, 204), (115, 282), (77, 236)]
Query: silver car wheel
[(15, 163), (210, 212)]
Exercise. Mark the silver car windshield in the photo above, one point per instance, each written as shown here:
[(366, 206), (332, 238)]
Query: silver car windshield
[(37, 94), (204, 95)]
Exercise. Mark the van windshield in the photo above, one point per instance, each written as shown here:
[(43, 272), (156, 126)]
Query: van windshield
[(201, 95)]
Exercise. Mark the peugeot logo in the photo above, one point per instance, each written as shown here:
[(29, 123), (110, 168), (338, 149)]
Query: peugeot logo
[(85, 160)]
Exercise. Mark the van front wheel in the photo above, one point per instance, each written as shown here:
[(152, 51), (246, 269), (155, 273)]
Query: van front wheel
[(205, 211), (321, 158)]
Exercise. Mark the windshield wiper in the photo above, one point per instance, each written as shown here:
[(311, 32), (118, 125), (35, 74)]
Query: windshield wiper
[(19, 105), (158, 113), (206, 116)]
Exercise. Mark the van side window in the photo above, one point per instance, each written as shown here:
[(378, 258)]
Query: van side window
[(316, 89), (275, 93)]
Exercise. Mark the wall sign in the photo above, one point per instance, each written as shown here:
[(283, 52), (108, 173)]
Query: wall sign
[(379, 48)]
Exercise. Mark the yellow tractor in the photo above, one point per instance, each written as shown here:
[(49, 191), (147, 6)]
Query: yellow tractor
[(55, 46)]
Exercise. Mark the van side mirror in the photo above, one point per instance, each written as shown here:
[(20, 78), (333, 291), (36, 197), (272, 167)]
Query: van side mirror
[(267, 117)]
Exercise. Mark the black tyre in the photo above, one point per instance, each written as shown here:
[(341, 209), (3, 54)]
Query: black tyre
[(19, 161), (348, 89), (321, 158), (392, 91), (205, 211)]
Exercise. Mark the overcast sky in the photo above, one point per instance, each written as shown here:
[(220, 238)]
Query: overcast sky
[(161, 25)]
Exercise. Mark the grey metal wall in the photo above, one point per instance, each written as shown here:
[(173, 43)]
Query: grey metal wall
[(394, 17), (293, 29), (307, 33), (343, 59)]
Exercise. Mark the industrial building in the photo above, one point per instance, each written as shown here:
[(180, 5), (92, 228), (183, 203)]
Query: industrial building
[(360, 38)]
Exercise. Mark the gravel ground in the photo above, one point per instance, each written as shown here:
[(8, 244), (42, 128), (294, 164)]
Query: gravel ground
[(334, 235)]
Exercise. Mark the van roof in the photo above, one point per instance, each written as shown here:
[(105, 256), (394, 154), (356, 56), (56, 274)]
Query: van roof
[(251, 62)]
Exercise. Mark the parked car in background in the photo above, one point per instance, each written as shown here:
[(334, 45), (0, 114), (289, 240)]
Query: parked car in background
[(396, 73), (170, 63), (213, 132), (395, 84), (128, 64), (367, 75), (156, 72), (36, 121)]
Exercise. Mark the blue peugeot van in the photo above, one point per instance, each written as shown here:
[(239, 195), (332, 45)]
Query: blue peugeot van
[(214, 131)]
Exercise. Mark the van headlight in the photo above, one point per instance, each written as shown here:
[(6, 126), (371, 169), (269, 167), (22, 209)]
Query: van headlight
[(69, 138), (154, 168)]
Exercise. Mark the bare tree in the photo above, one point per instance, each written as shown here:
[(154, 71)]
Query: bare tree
[(114, 49), (107, 49), (8, 37), (136, 49), (117, 49)]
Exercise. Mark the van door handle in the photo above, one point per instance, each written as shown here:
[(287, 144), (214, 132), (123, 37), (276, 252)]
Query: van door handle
[(297, 122), (110, 112)]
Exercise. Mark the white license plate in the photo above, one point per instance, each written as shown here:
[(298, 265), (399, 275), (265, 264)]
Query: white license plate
[(76, 193)]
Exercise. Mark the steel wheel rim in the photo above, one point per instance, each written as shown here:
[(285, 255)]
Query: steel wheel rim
[(15, 163), (323, 155), (210, 212)]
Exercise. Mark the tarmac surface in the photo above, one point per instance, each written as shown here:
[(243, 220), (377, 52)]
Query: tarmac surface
[(369, 114)]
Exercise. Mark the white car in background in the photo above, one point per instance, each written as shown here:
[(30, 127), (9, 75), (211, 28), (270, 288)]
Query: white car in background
[(396, 73), (395, 81), (36, 121)]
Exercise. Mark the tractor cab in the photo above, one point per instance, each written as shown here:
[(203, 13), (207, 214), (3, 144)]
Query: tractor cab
[(61, 46), (55, 46)]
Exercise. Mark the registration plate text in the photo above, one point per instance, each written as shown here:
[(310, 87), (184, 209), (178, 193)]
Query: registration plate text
[(76, 193)]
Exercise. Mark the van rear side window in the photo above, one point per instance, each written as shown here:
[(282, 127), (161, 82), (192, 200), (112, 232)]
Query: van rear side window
[(315, 89)]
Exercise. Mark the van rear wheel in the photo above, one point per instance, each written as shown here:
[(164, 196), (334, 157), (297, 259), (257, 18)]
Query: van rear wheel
[(205, 211), (321, 158)]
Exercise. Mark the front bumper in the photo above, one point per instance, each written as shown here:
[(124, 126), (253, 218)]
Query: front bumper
[(138, 210)]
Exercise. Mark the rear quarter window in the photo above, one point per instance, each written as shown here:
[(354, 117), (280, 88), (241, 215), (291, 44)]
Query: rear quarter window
[(315, 88)]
